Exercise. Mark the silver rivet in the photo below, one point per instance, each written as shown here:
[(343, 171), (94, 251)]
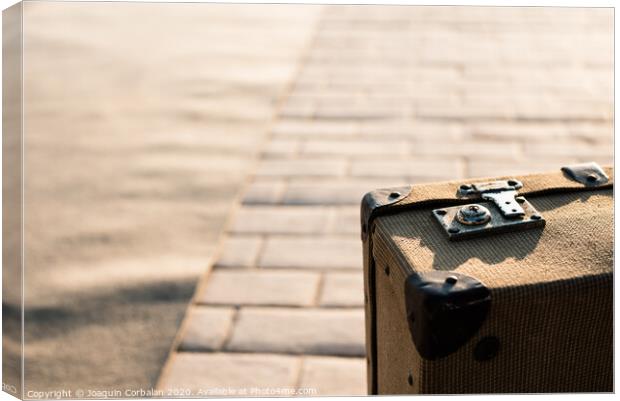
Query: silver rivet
[(473, 215), (592, 178), (451, 279)]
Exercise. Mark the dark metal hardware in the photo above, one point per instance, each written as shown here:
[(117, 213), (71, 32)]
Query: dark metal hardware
[(473, 215), (589, 174), (508, 211), (444, 310), (377, 199), (502, 193)]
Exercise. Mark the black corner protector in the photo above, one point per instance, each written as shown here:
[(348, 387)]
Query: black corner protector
[(376, 199), (589, 174), (444, 310)]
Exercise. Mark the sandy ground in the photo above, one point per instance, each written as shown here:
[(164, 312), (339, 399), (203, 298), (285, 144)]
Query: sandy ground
[(141, 121)]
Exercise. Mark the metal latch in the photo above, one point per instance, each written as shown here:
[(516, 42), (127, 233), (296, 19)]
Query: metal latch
[(504, 211)]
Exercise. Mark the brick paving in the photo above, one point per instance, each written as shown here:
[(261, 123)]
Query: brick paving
[(385, 96)]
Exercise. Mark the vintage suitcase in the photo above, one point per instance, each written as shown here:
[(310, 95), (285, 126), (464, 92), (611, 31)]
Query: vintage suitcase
[(501, 285)]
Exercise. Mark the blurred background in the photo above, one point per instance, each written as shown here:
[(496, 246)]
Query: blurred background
[(141, 121), (164, 139)]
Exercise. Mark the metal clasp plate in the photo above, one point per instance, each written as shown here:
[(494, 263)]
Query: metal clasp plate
[(502, 193), (505, 211)]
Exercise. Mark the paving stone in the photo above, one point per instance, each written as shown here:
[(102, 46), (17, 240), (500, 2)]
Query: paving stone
[(206, 328), (358, 148), (481, 168), (299, 331), (466, 112), (420, 131), (333, 193), (281, 220), (521, 131), (346, 220), (481, 149), (302, 167), (297, 110), (601, 160), (593, 133), (314, 129), (361, 112), (342, 289), (417, 170), (239, 252), (312, 253), (264, 192), (281, 147), (334, 376), (565, 110), (260, 287), (561, 149), (220, 374)]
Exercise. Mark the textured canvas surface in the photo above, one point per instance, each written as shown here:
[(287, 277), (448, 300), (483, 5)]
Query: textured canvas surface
[(551, 290)]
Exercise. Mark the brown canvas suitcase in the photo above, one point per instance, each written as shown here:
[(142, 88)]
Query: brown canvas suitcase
[(501, 285)]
